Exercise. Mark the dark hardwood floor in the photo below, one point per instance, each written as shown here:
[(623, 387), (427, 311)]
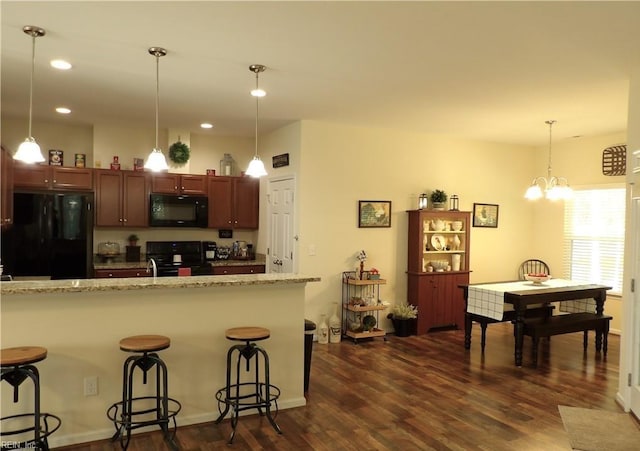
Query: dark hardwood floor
[(424, 393)]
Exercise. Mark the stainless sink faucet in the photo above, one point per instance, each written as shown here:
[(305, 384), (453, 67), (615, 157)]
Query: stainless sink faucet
[(151, 265)]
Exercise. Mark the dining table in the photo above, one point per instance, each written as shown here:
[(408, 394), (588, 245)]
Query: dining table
[(489, 300)]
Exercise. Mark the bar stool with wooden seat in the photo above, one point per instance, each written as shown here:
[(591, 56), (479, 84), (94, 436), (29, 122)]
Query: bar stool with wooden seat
[(150, 410), (16, 366), (258, 393)]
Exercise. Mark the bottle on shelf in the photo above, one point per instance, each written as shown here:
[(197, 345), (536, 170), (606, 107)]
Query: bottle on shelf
[(335, 329), (323, 330)]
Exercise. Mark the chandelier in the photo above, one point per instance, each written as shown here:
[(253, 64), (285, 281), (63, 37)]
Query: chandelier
[(256, 166), (29, 151), (156, 160), (551, 187)]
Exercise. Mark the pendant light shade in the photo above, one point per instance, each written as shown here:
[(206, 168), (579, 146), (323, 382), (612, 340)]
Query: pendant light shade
[(553, 188), (29, 151), (156, 160), (256, 166)]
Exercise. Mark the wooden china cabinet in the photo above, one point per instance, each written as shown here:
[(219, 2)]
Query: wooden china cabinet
[(438, 261)]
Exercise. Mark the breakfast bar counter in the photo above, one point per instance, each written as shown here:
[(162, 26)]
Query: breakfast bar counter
[(81, 322)]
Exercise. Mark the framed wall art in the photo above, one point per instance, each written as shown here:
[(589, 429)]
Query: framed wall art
[(374, 213), (485, 215)]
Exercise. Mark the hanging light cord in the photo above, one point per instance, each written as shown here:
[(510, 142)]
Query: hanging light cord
[(257, 109), (549, 163), (33, 65), (157, 94)]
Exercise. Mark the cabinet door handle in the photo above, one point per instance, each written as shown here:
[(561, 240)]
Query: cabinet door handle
[(55, 181), (46, 181)]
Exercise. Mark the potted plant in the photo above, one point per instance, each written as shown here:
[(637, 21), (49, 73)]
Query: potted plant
[(438, 199), (133, 239), (404, 319)]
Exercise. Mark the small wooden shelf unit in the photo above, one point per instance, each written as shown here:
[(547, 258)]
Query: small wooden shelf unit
[(368, 289)]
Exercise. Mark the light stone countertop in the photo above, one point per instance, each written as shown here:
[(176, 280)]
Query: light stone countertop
[(141, 283)]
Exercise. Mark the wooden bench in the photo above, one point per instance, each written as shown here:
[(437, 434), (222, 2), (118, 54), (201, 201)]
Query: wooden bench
[(566, 324), (510, 315)]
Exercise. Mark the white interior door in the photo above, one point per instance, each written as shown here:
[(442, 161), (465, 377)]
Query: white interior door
[(281, 249), (635, 330)]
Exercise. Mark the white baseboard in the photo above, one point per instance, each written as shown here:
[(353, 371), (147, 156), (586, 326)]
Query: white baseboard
[(56, 441)]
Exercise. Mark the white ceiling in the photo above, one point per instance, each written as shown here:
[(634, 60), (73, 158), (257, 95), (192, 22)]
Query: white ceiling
[(484, 70)]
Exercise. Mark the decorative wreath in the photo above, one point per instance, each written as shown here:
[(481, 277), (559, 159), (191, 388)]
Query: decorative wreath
[(179, 153)]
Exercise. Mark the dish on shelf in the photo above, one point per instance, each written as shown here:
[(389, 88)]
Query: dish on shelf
[(537, 279), (439, 265), (438, 242)]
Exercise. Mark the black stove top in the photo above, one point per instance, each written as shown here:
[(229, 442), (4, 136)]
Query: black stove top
[(170, 256)]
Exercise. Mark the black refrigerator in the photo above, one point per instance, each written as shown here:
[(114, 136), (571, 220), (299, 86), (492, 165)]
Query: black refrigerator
[(52, 235)]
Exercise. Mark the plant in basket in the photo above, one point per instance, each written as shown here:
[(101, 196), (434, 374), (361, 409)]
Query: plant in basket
[(404, 319)]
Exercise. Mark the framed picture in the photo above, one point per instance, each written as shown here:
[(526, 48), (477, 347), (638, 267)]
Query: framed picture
[(374, 213), (485, 215)]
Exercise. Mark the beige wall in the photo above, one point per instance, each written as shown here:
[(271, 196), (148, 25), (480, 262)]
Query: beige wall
[(336, 165), (82, 331), (340, 165)]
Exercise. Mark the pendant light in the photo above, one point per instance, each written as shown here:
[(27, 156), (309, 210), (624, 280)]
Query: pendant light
[(156, 160), (256, 166), (29, 151), (553, 188)]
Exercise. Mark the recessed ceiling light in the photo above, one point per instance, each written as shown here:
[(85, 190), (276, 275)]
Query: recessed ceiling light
[(61, 64), (63, 110), (206, 125)]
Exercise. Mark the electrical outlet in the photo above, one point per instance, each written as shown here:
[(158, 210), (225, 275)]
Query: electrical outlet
[(91, 385)]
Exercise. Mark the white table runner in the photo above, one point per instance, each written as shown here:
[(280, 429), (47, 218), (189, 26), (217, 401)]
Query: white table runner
[(488, 299)]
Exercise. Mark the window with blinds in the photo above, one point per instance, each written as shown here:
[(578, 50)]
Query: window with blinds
[(594, 237)]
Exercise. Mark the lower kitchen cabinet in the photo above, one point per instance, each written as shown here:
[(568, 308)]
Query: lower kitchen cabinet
[(120, 273), (243, 269), (439, 299)]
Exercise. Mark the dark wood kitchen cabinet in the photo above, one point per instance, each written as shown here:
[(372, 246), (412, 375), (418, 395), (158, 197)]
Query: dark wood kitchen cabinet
[(120, 273), (6, 174), (179, 184), (59, 178), (122, 198), (241, 269), (234, 202)]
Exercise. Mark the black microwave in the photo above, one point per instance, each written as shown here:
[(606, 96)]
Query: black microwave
[(178, 211)]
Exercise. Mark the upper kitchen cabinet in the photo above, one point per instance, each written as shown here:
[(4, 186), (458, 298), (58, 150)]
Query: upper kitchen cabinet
[(41, 176), (179, 184), (7, 188), (122, 198), (234, 202)]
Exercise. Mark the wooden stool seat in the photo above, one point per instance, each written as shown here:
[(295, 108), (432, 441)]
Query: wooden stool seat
[(22, 355), (247, 333), (145, 343)]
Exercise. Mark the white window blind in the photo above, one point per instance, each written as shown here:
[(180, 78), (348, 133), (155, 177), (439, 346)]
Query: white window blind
[(594, 237)]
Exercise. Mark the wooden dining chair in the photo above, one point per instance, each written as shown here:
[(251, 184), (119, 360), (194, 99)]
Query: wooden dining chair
[(532, 266), (533, 311)]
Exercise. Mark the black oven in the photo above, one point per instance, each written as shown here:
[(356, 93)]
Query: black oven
[(178, 211)]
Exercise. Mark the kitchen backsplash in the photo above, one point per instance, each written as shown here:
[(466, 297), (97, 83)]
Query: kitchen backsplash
[(169, 234)]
